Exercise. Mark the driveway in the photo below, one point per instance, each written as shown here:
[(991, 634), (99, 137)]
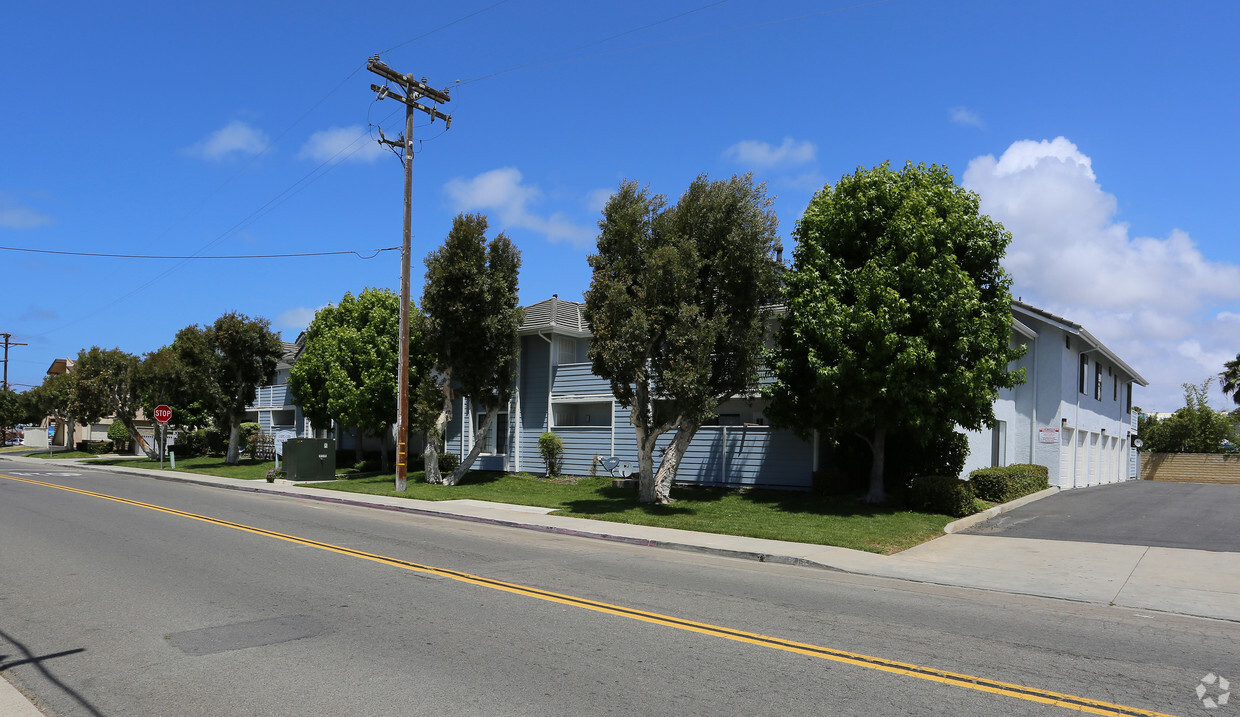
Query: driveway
[(1195, 516)]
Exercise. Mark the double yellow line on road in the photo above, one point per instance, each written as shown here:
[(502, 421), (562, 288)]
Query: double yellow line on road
[(956, 679)]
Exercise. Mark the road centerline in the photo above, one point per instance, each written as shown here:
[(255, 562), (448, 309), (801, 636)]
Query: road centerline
[(972, 682)]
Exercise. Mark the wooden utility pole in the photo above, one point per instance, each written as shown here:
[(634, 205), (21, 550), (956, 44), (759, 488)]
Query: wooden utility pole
[(413, 91), (7, 344)]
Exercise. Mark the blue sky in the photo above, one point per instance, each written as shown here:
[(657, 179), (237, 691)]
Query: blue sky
[(1102, 134)]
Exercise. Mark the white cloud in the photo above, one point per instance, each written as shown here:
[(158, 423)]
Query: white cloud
[(965, 116), (298, 318), (500, 191), (762, 155), (233, 139), (15, 216), (342, 144), (597, 199), (1157, 302)]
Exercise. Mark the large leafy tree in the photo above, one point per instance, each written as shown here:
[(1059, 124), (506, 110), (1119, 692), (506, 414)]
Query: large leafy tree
[(104, 382), (164, 379), (226, 362), (347, 369), (677, 307), (472, 319), (1230, 379), (898, 312), (51, 398)]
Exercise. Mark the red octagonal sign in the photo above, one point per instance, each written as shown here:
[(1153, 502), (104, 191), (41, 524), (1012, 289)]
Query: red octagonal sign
[(163, 414)]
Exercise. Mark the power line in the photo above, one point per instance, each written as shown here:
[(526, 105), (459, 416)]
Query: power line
[(359, 255)]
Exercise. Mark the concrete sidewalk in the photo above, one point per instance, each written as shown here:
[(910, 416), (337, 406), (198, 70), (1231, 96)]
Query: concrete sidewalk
[(1189, 582)]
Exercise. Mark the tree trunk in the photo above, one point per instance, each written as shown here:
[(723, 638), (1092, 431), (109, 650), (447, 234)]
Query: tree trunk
[(647, 438), (359, 455), (877, 447), (233, 456), (463, 467), (431, 453), (671, 460), (646, 492), (138, 440)]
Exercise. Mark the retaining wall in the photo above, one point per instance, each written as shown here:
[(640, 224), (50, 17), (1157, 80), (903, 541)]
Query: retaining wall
[(1191, 467)]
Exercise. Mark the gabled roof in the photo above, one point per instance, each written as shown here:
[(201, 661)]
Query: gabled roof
[(1019, 307), (556, 314)]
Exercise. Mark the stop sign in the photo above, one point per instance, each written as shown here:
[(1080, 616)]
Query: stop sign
[(163, 414)]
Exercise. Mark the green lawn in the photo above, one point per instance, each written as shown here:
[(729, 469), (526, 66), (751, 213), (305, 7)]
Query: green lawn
[(213, 466), (778, 515), (63, 454)]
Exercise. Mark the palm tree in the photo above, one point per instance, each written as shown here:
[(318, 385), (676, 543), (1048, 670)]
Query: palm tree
[(1231, 378)]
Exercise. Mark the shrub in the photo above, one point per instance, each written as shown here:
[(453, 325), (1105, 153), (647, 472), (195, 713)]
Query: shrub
[(249, 438), (1000, 485), (216, 440), (96, 447), (552, 450), (942, 494), (190, 444), (119, 435), (448, 462)]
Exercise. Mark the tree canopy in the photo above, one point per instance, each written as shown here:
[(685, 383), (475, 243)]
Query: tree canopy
[(1195, 428), (898, 311), (227, 361), (104, 382), (472, 318), (347, 370), (677, 307)]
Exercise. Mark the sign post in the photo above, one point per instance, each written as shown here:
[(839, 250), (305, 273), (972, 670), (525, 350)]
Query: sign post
[(51, 433), (163, 414)]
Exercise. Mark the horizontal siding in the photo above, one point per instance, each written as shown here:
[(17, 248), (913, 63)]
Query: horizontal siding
[(578, 379), (277, 396), (581, 445)]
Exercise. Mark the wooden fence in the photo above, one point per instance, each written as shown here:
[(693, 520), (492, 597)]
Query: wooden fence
[(1191, 467)]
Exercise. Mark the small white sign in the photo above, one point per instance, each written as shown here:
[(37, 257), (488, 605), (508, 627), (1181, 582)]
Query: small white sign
[(1048, 435), (280, 437)]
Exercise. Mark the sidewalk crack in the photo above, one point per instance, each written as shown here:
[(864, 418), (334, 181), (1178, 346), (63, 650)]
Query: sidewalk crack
[(1130, 574)]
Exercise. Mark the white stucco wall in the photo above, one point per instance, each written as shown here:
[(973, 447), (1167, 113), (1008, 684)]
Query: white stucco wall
[(1087, 438)]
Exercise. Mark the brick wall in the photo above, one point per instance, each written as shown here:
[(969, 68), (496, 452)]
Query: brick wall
[(1191, 467)]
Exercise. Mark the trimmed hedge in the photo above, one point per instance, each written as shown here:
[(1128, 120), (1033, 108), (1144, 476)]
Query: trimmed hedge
[(96, 447), (942, 494), (1000, 485)]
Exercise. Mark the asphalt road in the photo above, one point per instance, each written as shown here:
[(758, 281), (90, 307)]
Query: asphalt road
[(265, 605), (1196, 516)]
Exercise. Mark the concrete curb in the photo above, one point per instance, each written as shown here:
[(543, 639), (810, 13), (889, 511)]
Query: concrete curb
[(971, 520)]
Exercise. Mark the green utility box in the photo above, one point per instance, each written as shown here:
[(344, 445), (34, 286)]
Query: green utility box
[(308, 459)]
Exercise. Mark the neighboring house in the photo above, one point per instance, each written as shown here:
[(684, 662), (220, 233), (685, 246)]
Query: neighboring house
[(274, 407), (557, 391), (1073, 414)]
